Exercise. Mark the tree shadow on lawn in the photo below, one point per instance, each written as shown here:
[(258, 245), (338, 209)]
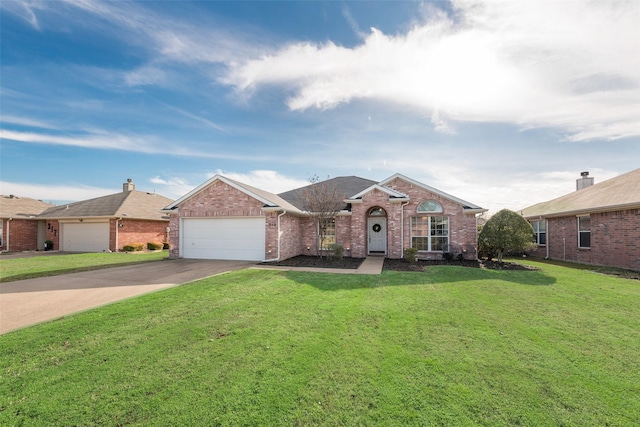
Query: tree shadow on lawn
[(433, 276)]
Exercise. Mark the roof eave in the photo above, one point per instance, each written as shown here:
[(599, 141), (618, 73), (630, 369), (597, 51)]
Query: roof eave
[(576, 212), (474, 210)]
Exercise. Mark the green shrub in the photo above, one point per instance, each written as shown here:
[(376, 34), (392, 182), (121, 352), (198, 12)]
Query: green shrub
[(133, 247), (336, 251), (154, 246), (411, 255), (165, 245)]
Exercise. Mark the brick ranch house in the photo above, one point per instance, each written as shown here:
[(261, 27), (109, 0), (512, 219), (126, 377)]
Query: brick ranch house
[(107, 223), (597, 224), (20, 229), (226, 219)]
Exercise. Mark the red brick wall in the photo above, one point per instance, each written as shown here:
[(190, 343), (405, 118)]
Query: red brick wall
[(23, 235), (289, 236), (136, 231), (615, 240)]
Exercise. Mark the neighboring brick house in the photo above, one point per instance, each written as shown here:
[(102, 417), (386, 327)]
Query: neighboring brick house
[(226, 219), (597, 224), (20, 230), (108, 223)]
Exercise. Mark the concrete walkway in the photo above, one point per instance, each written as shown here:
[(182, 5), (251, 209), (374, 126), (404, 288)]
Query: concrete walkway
[(370, 265)]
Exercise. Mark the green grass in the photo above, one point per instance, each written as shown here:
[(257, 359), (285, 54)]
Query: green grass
[(452, 346), (50, 265)]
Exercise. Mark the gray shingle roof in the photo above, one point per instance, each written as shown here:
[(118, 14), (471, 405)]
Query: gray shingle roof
[(21, 207), (349, 185), (621, 192), (127, 204)]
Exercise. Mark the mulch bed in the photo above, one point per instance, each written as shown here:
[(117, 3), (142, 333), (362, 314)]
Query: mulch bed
[(317, 262), (422, 265), (394, 264)]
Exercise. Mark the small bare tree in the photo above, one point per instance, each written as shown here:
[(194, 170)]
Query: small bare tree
[(323, 201)]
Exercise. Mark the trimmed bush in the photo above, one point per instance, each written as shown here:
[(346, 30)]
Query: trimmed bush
[(154, 246), (337, 251), (165, 245), (133, 247), (411, 255)]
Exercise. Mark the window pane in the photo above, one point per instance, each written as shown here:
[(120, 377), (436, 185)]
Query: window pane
[(584, 223), (585, 239), (420, 243), (430, 206), (439, 244), (542, 238), (419, 226)]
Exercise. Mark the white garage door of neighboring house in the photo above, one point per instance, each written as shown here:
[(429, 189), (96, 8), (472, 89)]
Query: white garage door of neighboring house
[(84, 237), (223, 238)]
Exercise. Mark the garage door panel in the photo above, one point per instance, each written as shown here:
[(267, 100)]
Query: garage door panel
[(85, 237), (223, 238)]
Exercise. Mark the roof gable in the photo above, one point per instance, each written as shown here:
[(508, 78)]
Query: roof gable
[(269, 200), (393, 194), (621, 192), (468, 206)]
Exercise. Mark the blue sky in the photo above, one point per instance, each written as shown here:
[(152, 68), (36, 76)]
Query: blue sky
[(500, 104)]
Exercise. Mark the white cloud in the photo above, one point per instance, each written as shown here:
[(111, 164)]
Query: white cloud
[(567, 65), (173, 188), (87, 140), (25, 121)]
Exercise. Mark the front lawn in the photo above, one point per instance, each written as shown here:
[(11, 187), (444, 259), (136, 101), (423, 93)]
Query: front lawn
[(53, 264), (450, 346)]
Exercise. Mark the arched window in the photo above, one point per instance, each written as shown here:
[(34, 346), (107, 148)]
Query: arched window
[(429, 206), (377, 212)]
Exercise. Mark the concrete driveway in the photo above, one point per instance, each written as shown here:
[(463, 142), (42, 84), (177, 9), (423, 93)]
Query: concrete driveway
[(27, 302)]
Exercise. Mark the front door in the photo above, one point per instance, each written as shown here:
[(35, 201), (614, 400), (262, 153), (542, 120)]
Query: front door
[(377, 231)]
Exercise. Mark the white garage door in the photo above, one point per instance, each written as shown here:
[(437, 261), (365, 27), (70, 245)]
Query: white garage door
[(85, 237), (223, 238)]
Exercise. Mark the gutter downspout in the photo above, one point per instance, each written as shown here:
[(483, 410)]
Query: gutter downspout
[(477, 235), (548, 241), (8, 228), (278, 252), (117, 230), (402, 205)]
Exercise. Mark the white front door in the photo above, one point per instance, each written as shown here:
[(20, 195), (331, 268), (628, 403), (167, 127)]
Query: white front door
[(377, 232)]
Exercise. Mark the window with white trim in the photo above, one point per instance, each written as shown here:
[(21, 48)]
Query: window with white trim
[(429, 206), (540, 228), (584, 232), (430, 233), (329, 233)]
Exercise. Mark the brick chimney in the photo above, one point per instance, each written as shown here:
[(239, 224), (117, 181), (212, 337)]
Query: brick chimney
[(128, 186), (584, 181)]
